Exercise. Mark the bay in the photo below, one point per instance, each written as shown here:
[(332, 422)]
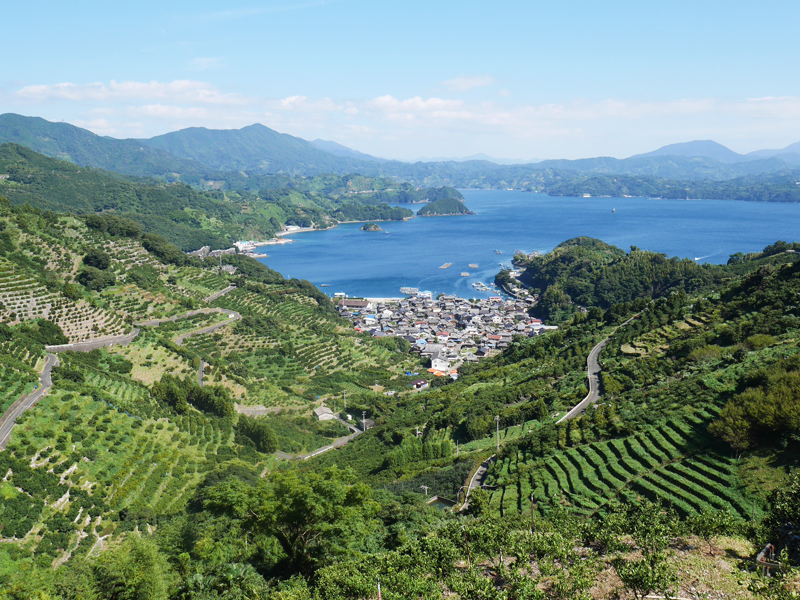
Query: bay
[(409, 253)]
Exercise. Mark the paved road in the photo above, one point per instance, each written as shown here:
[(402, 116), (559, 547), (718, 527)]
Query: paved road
[(337, 443), (233, 316), (8, 419), (201, 371), (213, 297), (26, 401), (119, 340), (593, 375), (477, 479), (593, 372)]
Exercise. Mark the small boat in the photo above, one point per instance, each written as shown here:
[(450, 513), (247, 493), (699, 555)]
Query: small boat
[(613, 210), (497, 252), (325, 285)]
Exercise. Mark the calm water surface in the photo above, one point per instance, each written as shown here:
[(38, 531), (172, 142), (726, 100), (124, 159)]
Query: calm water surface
[(378, 264)]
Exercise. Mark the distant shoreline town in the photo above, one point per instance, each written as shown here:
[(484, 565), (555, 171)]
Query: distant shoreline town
[(448, 330)]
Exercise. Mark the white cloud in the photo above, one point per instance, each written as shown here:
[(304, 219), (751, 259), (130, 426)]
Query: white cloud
[(205, 63), (168, 112), (301, 103), (467, 82), (175, 91), (397, 126)]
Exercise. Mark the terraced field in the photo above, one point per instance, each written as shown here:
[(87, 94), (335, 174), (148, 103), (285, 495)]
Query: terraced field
[(132, 461), (22, 298), (658, 464)]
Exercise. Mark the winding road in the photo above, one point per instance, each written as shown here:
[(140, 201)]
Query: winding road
[(9, 418), (477, 479), (593, 375)]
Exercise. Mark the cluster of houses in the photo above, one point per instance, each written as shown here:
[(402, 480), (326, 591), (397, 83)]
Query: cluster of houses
[(447, 330)]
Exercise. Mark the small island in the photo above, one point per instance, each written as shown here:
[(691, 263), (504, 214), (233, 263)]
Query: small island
[(371, 227), (444, 208)]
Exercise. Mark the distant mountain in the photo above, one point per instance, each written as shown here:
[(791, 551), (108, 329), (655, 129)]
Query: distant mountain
[(481, 156), (705, 148), (790, 149), (790, 154), (254, 148), (67, 142), (340, 150), (670, 166)]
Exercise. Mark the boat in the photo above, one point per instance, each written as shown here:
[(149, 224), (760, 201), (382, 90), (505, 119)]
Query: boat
[(497, 252), (324, 285), (613, 210)]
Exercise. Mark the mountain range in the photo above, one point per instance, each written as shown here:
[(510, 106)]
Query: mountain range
[(236, 157)]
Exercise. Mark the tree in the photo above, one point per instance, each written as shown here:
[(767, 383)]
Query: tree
[(646, 575), (97, 258), (312, 516), (733, 427), (135, 569), (711, 523)]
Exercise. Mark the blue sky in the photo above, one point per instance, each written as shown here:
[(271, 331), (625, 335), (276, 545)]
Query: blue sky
[(408, 79)]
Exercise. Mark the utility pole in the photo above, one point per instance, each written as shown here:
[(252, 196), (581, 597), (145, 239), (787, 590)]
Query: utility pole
[(456, 448), (376, 387), (379, 589), (364, 419), (497, 420), (425, 487), (344, 395)]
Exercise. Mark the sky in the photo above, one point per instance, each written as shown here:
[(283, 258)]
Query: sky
[(433, 78)]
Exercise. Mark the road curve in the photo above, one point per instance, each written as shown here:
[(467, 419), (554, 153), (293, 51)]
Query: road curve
[(9, 418), (477, 479), (593, 376)]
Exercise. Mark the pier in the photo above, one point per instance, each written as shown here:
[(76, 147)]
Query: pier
[(446, 266)]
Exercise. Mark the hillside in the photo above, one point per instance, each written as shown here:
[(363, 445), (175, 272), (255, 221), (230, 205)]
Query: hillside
[(131, 475), (84, 148), (184, 216), (126, 427), (255, 148)]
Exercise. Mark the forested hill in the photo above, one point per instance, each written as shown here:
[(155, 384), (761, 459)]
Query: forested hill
[(185, 216), (444, 207), (84, 148), (257, 157), (256, 149), (779, 186), (588, 272)]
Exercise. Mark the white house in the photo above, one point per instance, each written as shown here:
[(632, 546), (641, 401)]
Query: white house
[(324, 413)]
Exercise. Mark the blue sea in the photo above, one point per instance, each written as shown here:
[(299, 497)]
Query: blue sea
[(409, 253)]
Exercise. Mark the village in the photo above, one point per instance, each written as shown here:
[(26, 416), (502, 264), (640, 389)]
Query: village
[(448, 331)]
